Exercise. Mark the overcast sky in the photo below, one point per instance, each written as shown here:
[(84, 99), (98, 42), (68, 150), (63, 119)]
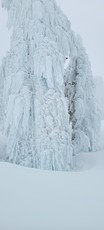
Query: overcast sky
[(87, 19)]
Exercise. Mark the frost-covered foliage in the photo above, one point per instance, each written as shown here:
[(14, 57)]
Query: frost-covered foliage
[(79, 89), (37, 120), (35, 109)]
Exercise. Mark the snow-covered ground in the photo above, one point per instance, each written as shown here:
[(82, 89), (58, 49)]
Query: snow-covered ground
[(41, 200)]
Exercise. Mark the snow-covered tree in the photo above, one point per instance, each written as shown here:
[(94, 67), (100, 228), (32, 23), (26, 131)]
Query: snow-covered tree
[(36, 122), (79, 88), (35, 110)]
